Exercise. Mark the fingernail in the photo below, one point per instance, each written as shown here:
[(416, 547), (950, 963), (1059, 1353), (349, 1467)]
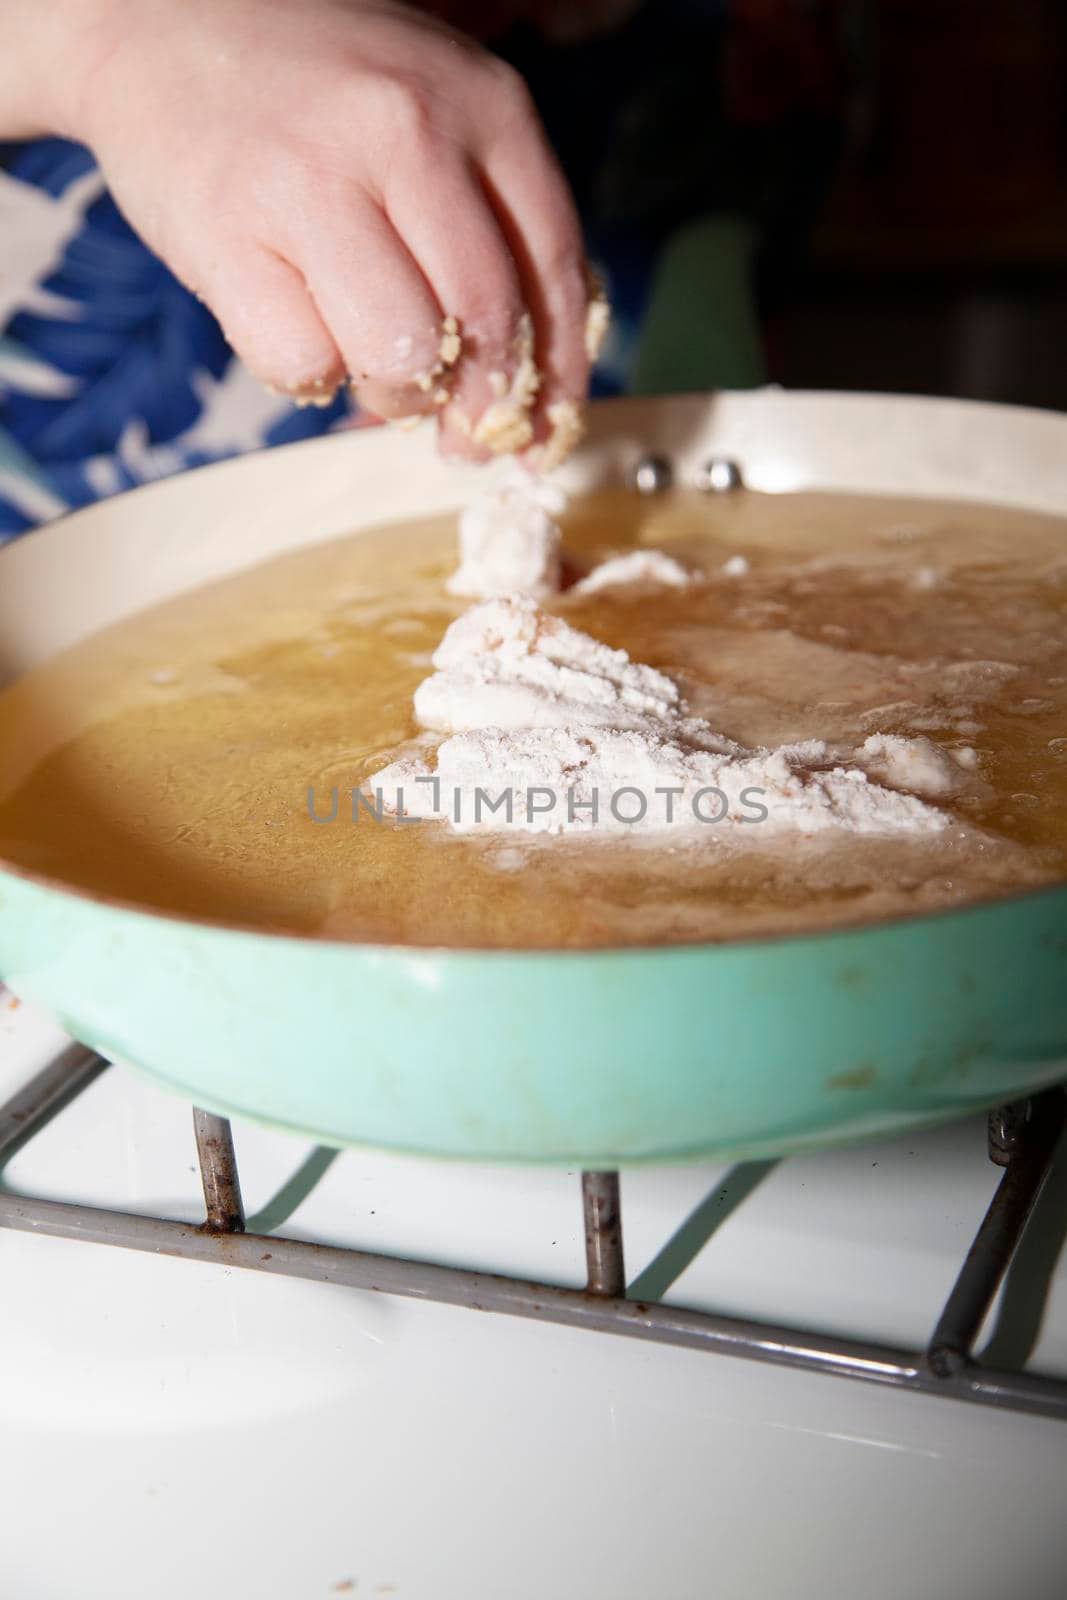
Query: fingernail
[(318, 392), (597, 315)]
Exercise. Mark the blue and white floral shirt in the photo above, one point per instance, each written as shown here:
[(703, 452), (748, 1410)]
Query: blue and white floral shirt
[(111, 373)]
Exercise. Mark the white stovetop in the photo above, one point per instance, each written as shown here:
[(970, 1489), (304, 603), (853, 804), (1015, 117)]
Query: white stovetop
[(196, 1430)]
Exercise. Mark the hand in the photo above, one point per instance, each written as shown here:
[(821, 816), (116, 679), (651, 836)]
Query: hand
[(339, 180)]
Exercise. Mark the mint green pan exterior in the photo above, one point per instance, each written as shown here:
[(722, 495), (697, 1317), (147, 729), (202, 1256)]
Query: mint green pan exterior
[(581, 1058)]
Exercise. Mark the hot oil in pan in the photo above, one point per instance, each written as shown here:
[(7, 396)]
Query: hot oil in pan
[(169, 760)]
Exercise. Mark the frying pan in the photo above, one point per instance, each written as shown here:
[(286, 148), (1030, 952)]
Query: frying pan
[(594, 1058)]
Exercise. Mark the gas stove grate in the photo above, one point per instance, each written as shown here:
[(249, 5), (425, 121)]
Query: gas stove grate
[(1022, 1138)]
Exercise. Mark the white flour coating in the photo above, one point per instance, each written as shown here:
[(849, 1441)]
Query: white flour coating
[(509, 544), (566, 421), (553, 731), (451, 345), (636, 567), (509, 665), (509, 541), (559, 780), (736, 567), (449, 350), (917, 765), (505, 426)]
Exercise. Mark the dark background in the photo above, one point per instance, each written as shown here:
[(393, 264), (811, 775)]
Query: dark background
[(939, 261), (902, 162)]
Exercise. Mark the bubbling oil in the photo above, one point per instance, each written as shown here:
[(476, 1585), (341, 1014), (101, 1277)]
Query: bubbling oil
[(189, 759)]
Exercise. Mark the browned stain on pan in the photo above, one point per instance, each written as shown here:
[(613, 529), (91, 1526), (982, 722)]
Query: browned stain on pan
[(861, 1077)]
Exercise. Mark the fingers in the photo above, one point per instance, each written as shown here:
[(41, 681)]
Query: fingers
[(442, 214), (537, 214), (456, 288), (398, 345), (270, 319)]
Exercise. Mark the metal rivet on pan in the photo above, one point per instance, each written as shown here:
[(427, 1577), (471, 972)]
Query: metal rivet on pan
[(719, 476), (652, 475)]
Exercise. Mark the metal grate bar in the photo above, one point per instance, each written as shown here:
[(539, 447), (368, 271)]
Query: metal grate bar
[(576, 1308), (1023, 1144), (218, 1172), (602, 1208), (39, 1100)]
